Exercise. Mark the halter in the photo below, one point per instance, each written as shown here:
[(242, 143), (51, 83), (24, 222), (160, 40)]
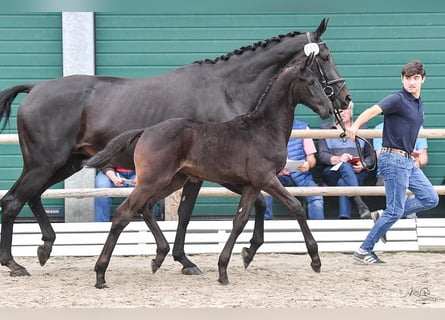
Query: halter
[(332, 95)]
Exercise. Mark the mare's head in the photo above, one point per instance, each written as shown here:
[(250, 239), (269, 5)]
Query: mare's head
[(305, 87), (324, 66)]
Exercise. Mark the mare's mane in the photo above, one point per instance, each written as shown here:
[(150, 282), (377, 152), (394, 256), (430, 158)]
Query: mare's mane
[(252, 47)]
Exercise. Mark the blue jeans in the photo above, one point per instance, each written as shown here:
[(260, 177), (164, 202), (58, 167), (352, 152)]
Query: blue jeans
[(102, 206), (314, 203), (400, 174), (343, 177)]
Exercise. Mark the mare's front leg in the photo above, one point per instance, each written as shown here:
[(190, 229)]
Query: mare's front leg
[(189, 194), (247, 199), (276, 190), (258, 230), (121, 218)]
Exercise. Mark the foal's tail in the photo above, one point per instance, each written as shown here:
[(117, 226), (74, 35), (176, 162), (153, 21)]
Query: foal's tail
[(6, 98), (118, 152)]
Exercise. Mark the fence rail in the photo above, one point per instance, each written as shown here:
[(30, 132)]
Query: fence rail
[(81, 193), (313, 133)]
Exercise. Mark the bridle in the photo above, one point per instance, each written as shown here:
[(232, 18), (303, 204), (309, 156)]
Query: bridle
[(332, 95), (325, 83)]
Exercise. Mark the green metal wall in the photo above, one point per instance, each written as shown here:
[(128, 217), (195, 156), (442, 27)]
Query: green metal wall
[(30, 50), (369, 49)]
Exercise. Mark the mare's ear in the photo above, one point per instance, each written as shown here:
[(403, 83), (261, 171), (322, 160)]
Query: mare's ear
[(309, 60), (321, 28)]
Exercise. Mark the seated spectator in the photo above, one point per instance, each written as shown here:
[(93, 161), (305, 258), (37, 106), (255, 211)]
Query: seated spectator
[(342, 168), (300, 149), (110, 178)]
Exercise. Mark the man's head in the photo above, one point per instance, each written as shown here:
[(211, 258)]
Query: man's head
[(413, 68), (413, 76)]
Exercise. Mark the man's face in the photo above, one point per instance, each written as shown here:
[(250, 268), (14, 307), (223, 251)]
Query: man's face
[(413, 83)]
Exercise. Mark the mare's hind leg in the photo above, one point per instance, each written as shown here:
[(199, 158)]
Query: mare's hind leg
[(48, 235), (276, 190), (189, 194), (28, 187), (258, 231), (247, 199)]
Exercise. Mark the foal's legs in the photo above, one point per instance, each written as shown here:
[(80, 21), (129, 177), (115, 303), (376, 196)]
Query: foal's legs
[(258, 231), (161, 243), (276, 190), (122, 217), (247, 199)]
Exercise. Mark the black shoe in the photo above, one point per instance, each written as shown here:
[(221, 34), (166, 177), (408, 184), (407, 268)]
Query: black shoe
[(375, 216), (364, 212), (367, 258)]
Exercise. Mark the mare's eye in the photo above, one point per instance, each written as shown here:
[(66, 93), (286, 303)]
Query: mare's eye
[(311, 82)]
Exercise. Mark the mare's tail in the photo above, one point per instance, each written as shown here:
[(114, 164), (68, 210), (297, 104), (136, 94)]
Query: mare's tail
[(118, 152), (6, 98)]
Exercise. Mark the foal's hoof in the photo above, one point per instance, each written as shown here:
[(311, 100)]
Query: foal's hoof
[(191, 271), (19, 273), (246, 257), (43, 255), (154, 266)]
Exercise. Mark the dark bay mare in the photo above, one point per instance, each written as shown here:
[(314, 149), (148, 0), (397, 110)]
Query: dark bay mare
[(65, 121), (249, 150)]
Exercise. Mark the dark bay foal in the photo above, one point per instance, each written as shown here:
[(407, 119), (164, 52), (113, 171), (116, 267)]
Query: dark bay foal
[(249, 150)]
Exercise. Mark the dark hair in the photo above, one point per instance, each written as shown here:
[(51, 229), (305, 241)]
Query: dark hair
[(412, 68)]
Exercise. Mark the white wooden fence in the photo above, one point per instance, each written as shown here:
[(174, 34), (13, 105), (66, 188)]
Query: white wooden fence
[(281, 236)]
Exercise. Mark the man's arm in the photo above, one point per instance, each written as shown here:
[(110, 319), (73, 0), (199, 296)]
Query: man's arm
[(363, 118)]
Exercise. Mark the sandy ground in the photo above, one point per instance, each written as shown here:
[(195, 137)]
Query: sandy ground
[(407, 280)]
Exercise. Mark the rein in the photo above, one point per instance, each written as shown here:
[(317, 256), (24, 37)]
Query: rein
[(357, 144)]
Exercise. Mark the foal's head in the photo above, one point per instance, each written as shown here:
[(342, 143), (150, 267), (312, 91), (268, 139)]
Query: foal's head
[(305, 87)]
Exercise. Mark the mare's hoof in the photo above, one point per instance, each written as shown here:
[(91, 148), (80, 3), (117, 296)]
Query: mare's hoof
[(102, 285), (19, 273), (316, 267), (43, 255), (191, 271), (246, 258), (224, 281)]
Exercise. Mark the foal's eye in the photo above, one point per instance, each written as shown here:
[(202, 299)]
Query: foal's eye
[(311, 82)]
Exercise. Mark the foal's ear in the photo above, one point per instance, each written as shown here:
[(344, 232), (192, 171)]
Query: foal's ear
[(321, 28), (309, 60)]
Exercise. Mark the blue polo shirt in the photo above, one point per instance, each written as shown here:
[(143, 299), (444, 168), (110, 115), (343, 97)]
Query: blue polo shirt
[(403, 116)]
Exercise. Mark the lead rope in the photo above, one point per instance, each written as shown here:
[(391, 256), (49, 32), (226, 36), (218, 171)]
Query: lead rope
[(357, 144)]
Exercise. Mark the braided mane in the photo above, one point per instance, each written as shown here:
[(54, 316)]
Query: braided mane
[(252, 47)]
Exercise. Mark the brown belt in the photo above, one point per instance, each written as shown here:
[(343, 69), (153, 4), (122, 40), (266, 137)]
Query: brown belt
[(397, 151)]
